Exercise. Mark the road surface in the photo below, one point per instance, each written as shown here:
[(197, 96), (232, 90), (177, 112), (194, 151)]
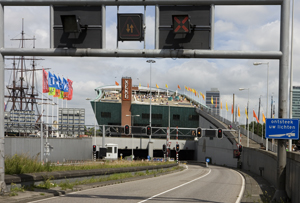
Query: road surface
[(195, 184)]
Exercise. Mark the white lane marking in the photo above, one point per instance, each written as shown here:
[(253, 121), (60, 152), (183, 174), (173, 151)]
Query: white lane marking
[(176, 187), (96, 188), (239, 199)]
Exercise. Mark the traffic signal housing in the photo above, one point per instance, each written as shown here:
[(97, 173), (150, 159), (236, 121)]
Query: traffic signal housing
[(126, 129), (220, 133), (149, 130), (240, 148), (177, 148), (164, 148), (199, 132), (94, 148)]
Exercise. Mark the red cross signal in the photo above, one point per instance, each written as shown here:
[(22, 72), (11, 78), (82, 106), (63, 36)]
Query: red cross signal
[(181, 24)]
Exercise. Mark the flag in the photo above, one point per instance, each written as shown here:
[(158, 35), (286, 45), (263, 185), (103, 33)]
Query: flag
[(254, 115), (116, 83), (232, 109), (148, 85), (195, 93), (45, 82), (70, 95), (51, 84), (185, 87), (179, 87), (140, 85), (246, 112), (57, 87), (239, 112), (264, 118), (166, 86), (216, 102), (226, 106), (61, 88), (212, 100), (221, 105), (66, 89), (157, 86)]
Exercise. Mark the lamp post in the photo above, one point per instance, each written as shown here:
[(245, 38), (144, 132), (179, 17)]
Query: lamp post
[(150, 61), (241, 89), (95, 118), (132, 118), (267, 63)]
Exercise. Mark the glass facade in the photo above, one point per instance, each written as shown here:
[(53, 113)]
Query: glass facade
[(213, 100), (296, 102)]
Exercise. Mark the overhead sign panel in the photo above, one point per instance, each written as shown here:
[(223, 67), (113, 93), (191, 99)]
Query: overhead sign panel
[(77, 27), (279, 128), (184, 27), (130, 27)]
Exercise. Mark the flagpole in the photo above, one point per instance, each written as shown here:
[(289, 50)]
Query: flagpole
[(41, 130), (57, 114), (47, 120)]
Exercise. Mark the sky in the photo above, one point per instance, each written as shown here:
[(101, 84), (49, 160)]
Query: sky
[(237, 28)]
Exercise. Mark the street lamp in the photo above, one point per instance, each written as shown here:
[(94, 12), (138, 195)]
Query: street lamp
[(132, 118), (150, 61), (241, 89), (267, 63), (95, 119)]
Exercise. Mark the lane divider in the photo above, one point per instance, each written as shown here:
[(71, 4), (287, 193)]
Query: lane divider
[(175, 187)]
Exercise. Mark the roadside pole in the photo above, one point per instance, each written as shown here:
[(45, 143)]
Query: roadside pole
[(176, 144)]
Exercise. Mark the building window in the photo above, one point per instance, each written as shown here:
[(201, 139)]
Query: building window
[(105, 114), (194, 117), (176, 117), (145, 115)]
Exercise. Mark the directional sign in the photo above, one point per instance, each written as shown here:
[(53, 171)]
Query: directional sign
[(279, 128), (130, 27)]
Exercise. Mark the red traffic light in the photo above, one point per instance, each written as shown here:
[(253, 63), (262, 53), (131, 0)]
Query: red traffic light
[(220, 133), (126, 129), (240, 148), (94, 148), (149, 130)]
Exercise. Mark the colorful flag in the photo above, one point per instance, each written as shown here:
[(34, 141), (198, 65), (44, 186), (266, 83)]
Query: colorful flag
[(51, 84), (246, 112), (254, 115), (239, 112), (226, 106), (66, 89), (45, 82), (195, 93), (179, 87), (232, 109), (221, 105), (70, 95), (216, 102), (264, 118), (61, 86), (148, 85), (185, 87), (157, 86), (212, 100), (57, 87), (166, 86), (116, 83), (140, 85)]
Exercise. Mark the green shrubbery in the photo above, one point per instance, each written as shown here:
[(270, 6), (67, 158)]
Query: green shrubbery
[(19, 164)]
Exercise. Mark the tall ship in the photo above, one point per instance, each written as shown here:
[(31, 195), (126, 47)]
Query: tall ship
[(21, 109)]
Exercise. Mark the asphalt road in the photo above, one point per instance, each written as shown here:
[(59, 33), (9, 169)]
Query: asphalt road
[(196, 184)]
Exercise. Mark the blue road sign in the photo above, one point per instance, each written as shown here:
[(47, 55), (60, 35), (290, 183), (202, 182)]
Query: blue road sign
[(207, 160), (280, 128)]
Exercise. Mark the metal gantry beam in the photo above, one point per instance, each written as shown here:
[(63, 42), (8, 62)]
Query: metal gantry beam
[(136, 2), (144, 53)]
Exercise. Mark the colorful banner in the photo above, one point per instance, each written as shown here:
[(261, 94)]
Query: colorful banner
[(65, 89), (116, 83), (246, 112), (70, 95), (45, 82), (254, 115), (51, 84), (179, 87), (239, 112)]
